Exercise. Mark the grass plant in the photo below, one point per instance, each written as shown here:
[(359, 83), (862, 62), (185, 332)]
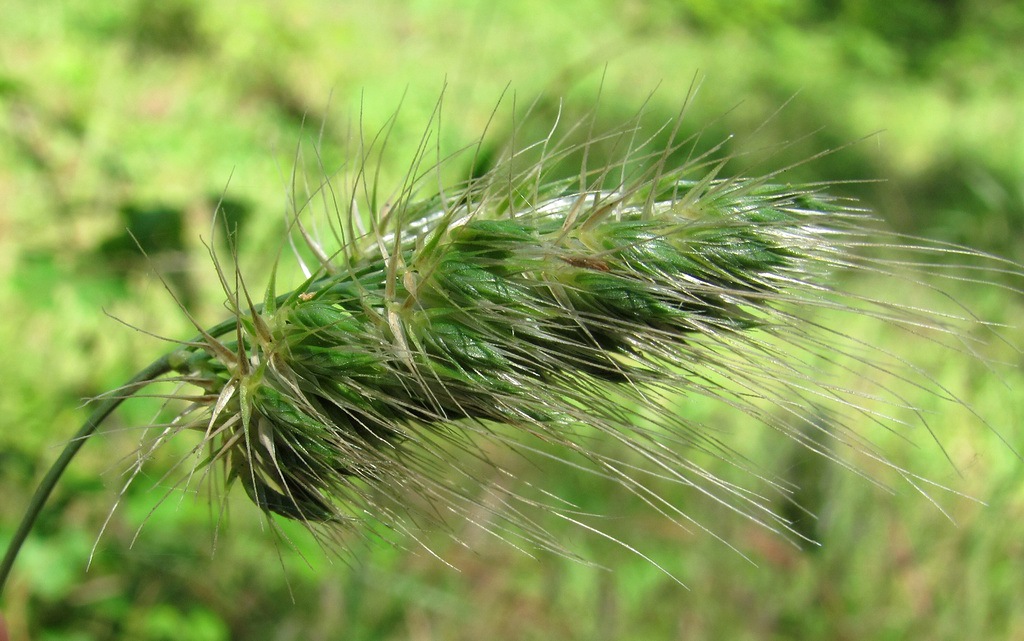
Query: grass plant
[(570, 321)]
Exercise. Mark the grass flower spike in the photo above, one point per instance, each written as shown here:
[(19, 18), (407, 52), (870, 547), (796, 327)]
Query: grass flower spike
[(537, 314)]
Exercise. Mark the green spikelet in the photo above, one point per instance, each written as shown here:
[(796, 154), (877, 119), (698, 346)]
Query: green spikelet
[(517, 317), (537, 315)]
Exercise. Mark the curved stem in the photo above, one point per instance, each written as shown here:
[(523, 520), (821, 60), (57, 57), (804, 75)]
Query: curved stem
[(103, 409)]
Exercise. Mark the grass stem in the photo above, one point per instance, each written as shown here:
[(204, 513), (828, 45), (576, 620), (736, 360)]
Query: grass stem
[(103, 409)]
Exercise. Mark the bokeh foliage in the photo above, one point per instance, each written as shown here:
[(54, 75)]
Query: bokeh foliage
[(144, 115)]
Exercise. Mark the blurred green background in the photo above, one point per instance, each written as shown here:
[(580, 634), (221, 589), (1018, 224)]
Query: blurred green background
[(143, 115)]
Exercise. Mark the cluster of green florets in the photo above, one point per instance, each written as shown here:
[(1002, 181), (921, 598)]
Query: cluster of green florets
[(324, 398)]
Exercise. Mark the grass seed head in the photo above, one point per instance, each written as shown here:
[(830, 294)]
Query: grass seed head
[(535, 314)]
